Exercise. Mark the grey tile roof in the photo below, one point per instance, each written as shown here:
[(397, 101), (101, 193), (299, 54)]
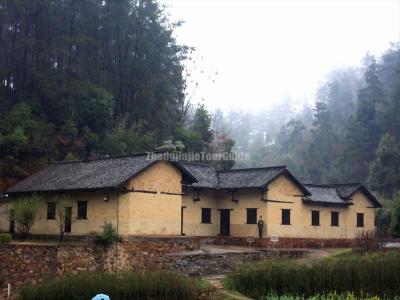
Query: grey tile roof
[(337, 194), (346, 190), (80, 175), (250, 178), (209, 177), (206, 175), (113, 172), (324, 194)]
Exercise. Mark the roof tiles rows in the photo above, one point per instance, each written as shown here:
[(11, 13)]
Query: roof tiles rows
[(113, 172)]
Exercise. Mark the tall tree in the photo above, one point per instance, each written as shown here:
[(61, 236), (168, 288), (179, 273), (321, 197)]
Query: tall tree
[(385, 169), (362, 131), (321, 150), (394, 228), (390, 110)]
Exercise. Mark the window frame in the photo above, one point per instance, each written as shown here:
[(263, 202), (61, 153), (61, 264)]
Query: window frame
[(203, 215), (196, 194), (79, 217), (51, 215), (315, 216), (283, 219), (249, 220), (234, 195), (337, 219), (358, 215)]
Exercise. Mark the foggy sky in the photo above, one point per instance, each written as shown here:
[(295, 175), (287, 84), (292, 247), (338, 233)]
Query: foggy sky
[(252, 53)]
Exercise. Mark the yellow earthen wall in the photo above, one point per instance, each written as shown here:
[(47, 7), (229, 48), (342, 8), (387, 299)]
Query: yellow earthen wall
[(288, 196), (160, 213), (139, 213), (222, 199), (361, 204), (284, 189), (248, 198), (98, 212), (192, 225)]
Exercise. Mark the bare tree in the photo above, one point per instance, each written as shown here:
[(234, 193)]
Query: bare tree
[(62, 201)]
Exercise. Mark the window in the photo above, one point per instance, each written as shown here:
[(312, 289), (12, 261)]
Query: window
[(315, 218), (285, 216), (82, 209), (206, 215), (51, 210), (196, 195), (360, 220), (234, 196), (334, 218), (68, 219), (251, 215)]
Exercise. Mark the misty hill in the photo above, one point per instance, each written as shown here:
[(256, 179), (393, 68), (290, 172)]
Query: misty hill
[(350, 134)]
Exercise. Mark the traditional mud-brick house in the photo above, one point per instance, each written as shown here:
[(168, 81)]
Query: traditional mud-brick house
[(143, 197)]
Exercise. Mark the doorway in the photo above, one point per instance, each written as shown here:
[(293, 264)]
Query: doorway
[(68, 219), (12, 221), (225, 222), (182, 210)]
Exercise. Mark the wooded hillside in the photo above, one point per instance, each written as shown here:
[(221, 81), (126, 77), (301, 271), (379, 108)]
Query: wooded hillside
[(81, 78), (350, 134)]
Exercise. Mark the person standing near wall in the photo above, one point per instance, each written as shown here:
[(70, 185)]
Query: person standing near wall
[(260, 224)]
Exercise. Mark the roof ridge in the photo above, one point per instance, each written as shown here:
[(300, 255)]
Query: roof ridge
[(61, 162), (257, 168), (98, 158), (194, 163), (344, 184), (331, 185)]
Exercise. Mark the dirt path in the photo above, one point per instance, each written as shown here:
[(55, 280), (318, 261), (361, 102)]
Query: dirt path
[(325, 252), (217, 282)]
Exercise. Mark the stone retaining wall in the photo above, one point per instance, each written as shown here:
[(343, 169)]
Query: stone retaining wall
[(22, 264), (212, 264), (283, 242)]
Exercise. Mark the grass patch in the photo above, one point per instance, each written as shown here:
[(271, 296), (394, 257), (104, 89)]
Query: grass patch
[(377, 274), (5, 238), (331, 296), (343, 253), (126, 285), (351, 254)]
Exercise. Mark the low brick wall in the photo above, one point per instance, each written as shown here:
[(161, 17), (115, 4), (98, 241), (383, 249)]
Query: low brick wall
[(283, 242)]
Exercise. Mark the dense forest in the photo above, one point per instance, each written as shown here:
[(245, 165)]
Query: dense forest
[(351, 133), (87, 78)]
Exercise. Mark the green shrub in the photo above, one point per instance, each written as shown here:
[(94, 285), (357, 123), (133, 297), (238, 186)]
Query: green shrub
[(374, 275), (24, 212), (125, 285), (5, 238), (109, 235)]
